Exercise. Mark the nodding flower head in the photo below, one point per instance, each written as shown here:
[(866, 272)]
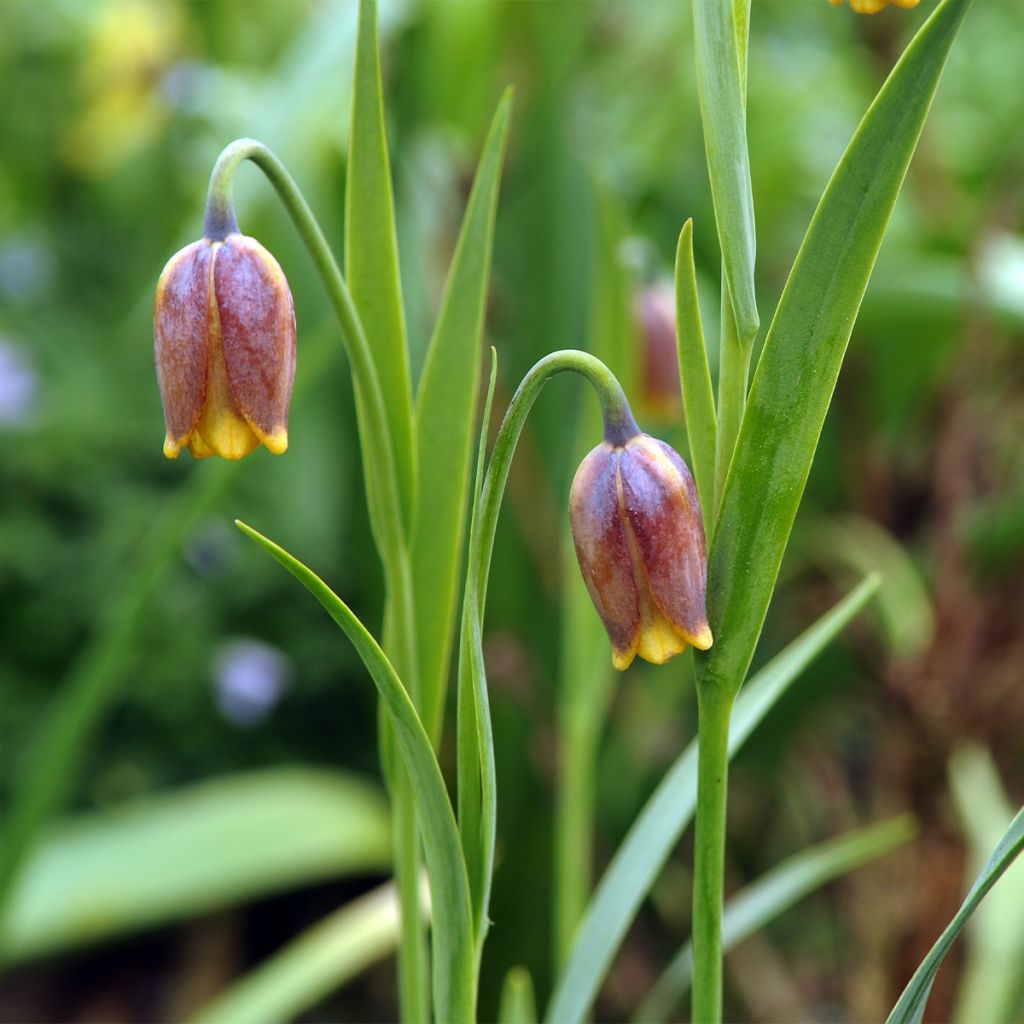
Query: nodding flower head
[(639, 539), (224, 331)]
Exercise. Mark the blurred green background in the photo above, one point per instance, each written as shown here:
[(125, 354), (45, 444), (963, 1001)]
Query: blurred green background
[(112, 115)]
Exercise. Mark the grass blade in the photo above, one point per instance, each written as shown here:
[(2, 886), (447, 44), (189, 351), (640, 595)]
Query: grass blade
[(657, 829), (371, 258), (719, 34), (313, 965), (446, 402), (911, 1004), (694, 375), (778, 890), (804, 349), (454, 995)]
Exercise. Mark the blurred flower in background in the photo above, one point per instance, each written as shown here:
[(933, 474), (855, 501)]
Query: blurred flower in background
[(130, 47), (19, 386), (874, 6), (655, 311), (251, 677)]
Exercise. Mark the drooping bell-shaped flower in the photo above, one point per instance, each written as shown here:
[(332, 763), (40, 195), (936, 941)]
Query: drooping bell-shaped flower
[(636, 522), (224, 333)]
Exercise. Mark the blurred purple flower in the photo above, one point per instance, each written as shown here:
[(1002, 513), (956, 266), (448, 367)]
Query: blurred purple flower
[(19, 386), (26, 269), (655, 312), (251, 677)]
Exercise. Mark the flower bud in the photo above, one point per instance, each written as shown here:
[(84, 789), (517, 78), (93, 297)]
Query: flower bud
[(639, 539), (224, 332), (654, 310)]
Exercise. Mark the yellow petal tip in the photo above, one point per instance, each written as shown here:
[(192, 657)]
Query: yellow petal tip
[(621, 660), (276, 443), (172, 449), (703, 640)]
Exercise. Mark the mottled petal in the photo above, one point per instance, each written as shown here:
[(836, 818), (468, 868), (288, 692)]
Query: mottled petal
[(664, 513), (181, 324), (257, 333), (603, 552)]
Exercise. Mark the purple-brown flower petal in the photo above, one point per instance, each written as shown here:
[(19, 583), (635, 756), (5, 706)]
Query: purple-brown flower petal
[(663, 509), (181, 321), (603, 552), (257, 331)]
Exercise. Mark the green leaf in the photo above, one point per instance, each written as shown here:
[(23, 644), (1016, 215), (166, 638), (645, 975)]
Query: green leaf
[(911, 1005), (694, 375), (454, 995), (187, 852), (719, 32), (804, 349), (312, 966), (656, 830), (446, 403), (517, 1002), (371, 258), (764, 900)]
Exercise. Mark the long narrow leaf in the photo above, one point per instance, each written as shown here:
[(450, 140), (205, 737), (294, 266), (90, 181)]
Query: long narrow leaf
[(764, 900), (188, 852), (694, 375), (313, 965), (720, 82), (371, 257), (911, 1005), (639, 860), (804, 350), (446, 403), (452, 931)]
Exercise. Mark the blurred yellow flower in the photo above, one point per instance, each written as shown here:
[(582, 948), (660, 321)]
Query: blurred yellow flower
[(130, 45), (874, 6)]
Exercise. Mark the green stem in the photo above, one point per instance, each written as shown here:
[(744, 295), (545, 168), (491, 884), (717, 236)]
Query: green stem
[(476, 772), (715, 709), (733, 370), (413, 966), (574, 817), (385, 505), (385, 502)]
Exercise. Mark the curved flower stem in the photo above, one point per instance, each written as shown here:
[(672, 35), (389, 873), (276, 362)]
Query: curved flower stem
[(715, 710), (476, 772), (385, 508), (385, 501)]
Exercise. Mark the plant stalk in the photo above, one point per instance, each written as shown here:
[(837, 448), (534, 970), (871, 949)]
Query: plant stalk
[(715, 709), (385, 506), (733, 372)]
